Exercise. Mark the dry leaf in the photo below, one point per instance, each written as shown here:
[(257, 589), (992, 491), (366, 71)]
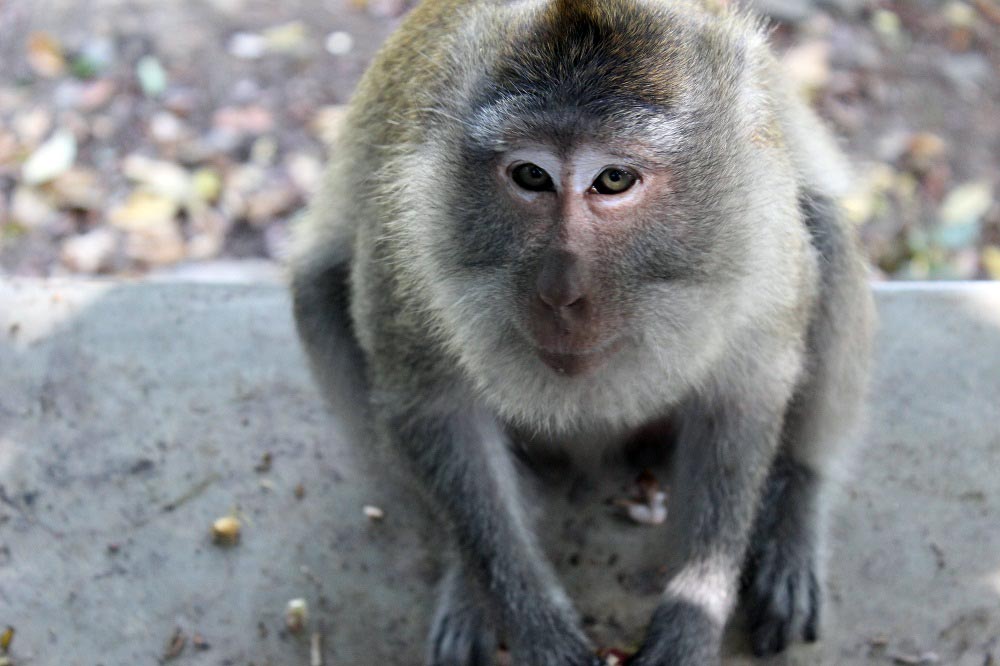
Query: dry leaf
[(91, 252), (77, 188), (991, 261), (143, 210), (45, 55), (289, 38), (50, 159)]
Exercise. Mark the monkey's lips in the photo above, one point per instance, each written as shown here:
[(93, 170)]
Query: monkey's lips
[(578, 362)]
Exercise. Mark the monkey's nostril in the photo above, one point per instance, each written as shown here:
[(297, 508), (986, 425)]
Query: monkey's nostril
[(560, 302)]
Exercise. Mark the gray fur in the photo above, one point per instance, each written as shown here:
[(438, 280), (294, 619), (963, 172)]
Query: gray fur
[(737, 301)]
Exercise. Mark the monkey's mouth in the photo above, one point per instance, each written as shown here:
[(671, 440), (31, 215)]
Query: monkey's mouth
[(575, 363)]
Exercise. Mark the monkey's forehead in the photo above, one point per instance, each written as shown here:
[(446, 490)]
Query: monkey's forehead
[(622, 67)]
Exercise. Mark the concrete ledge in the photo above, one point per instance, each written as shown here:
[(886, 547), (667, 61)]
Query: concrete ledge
[(133, 415)]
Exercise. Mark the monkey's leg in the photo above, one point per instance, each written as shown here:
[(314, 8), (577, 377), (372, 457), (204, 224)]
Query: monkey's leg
[(462, 456), (782, 588), (726, 445), (462, 634)]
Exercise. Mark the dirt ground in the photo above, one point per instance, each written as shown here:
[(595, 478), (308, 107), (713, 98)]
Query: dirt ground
[(137, 136)]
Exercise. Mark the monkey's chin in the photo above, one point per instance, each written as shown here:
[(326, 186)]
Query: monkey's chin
[(575, 365)]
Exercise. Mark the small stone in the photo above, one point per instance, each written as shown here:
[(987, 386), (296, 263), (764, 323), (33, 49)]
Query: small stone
[(374, 513)]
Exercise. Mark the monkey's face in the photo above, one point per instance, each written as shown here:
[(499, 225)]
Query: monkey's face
[(575, 208), (586, 272)]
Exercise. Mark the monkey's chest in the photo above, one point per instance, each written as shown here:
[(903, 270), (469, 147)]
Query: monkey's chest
[(647, 446)]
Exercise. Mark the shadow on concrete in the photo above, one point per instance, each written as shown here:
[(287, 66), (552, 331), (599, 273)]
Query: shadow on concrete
[(133, 415)]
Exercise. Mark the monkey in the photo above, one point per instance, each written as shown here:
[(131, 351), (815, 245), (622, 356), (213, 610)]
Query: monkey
[(579, 219)]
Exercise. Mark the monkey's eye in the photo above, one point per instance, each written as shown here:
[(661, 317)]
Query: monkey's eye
[(532, 178), (614, 181)]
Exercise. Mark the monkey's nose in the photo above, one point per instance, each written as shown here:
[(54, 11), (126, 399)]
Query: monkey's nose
[(561, 284)]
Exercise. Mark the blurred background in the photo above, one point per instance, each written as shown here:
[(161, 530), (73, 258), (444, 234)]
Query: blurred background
[(177, 138)]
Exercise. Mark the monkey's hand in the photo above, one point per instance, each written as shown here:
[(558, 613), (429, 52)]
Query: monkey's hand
[(781, 590)]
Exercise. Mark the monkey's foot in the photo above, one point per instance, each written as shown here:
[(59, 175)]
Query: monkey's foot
[(680, 634), (782, 595), (461, 637)]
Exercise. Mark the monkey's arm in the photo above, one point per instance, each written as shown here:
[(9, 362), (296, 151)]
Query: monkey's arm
[(728, 440), (461, 454)]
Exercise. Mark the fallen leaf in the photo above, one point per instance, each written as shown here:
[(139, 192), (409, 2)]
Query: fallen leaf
[(30, 208), (165, 179), (339, 43), (91, 252), (244, 120), (991, 261), (50, 159), (77, 188), (247, 45), (327, 122), (143, 210), (45, 55), (97, 94), (152, 76), (288, 38), (967, 203)]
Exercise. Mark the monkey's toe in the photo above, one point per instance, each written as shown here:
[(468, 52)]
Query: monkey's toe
[(462, 639), (782, 596)]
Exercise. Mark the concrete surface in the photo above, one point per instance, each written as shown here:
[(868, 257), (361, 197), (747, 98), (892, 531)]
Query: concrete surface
[(133, 415)]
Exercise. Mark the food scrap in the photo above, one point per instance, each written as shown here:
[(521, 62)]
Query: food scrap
[(614, 656), (265, 463), (226, 531), (296, 615), (648, 504), (175, 646), (316, 650)]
